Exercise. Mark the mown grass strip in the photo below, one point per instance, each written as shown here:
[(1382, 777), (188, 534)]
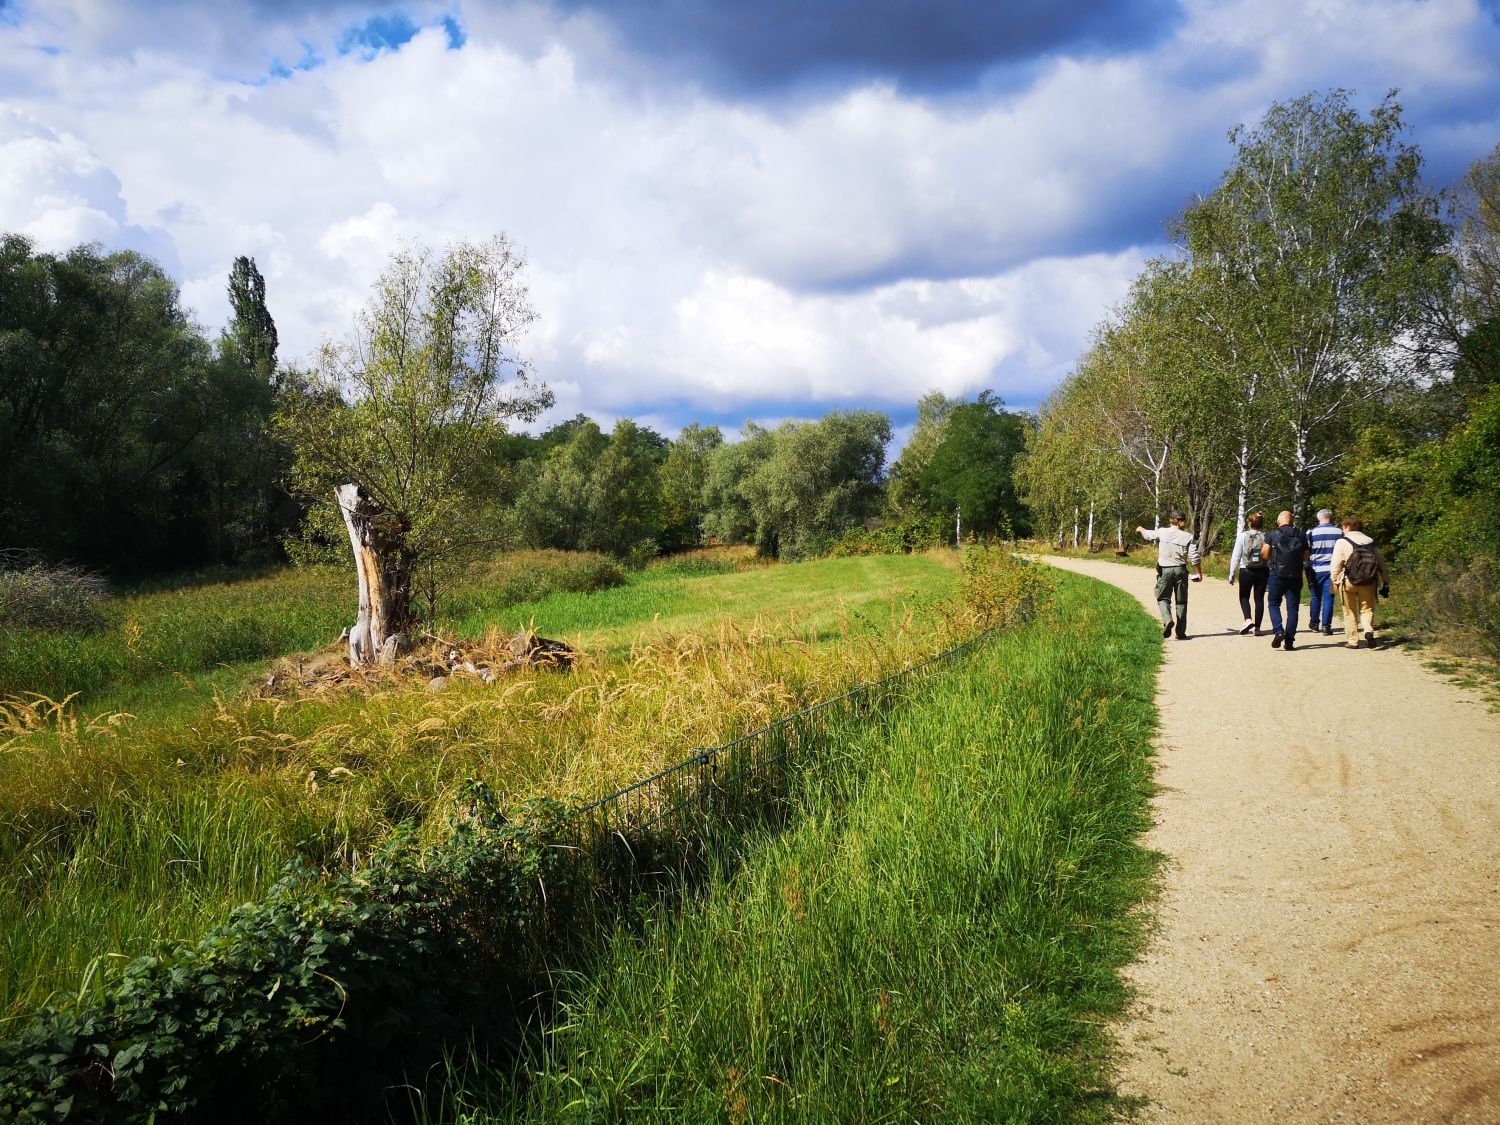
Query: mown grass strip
[(938, 940)]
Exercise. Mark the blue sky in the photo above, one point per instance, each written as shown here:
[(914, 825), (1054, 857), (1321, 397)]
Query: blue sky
[(730, 211)]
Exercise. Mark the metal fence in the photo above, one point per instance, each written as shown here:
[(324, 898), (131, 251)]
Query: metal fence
[(750, 775)]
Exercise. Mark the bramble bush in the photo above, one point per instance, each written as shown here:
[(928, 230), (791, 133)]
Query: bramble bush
[(310, 1003)]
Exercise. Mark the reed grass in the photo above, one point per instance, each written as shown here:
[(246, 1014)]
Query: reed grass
[(938, 940)]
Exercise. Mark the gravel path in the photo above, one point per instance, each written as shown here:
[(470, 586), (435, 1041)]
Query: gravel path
[(1329, 941)]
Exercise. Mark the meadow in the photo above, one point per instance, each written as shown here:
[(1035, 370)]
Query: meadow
[(165, 791), (937, 938)]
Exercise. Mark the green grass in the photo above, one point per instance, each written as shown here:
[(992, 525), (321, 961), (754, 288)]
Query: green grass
[(938, 940), (115, 835)]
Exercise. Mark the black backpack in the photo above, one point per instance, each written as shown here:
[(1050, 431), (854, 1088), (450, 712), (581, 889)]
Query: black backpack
[(1362, 566), (1287, 545)]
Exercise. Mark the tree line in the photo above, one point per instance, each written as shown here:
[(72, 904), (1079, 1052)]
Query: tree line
[(1326, 331), (131, 440)]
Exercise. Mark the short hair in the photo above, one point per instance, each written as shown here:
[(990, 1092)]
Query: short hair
[(1354, 524), (1258, 520), (1325, 513), (1176, 514)]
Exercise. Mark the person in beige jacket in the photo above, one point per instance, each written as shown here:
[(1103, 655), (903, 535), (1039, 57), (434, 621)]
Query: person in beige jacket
[(1359, 597)]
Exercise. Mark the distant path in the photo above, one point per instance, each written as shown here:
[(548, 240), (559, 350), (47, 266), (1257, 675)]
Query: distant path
[(1330, 928)]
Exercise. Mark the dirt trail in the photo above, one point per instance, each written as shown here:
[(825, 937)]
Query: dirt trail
[(1329, 946)]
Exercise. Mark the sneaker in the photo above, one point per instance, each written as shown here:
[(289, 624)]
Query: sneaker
[(1289, 646), (1328, 630), (1246, 627), (1166, 630), (1276, 640)]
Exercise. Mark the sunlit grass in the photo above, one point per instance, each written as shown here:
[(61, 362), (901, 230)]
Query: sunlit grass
[(937, 940), (120, 831)]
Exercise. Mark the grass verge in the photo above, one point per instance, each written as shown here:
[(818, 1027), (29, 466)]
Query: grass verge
[(939, 939)]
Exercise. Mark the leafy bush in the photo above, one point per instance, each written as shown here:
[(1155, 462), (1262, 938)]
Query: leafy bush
[(36, 596), (1000, 588), (917, 533), (308, 1004)]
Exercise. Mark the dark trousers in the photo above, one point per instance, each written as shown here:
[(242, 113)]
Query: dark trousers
[(1253, 579), (1280, 589), (1319, 600)]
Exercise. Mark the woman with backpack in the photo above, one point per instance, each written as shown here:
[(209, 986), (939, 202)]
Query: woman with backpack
[(1253, 571), (1359, 574)]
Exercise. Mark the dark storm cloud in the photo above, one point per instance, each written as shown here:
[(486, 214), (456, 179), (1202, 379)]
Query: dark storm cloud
[(923, 44)]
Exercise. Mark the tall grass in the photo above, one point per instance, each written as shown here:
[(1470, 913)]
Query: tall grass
[(938, 940), (122, 831)]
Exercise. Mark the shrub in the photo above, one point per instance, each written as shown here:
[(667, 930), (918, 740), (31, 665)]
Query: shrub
[(308, 1004), (1000, 588), (36, 596), (918, 533)]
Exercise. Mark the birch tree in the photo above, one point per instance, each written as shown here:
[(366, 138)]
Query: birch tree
[(1326, 249)]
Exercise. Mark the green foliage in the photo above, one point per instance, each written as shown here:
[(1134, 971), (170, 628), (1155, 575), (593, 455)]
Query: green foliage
[(727, 516), (902, 537), (818, 480), (411, 406), (683, 476), (124, 441), (623, 495), (1001, 589), (308, 1003), (904, 490), (971, 469)]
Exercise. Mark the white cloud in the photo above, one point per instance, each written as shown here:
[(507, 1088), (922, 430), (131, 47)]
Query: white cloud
[(866, 245)]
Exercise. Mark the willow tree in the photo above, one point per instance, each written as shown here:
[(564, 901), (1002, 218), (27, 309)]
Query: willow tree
[(396, 423)]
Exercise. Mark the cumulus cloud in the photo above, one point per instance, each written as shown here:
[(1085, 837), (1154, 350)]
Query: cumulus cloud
[(691, 254), (55, 190)]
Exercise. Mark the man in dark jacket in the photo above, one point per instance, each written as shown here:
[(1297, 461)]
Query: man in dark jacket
[(1287, 551)]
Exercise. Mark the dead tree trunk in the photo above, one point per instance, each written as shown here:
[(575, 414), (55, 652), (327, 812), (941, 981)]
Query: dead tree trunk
[(379, 541)]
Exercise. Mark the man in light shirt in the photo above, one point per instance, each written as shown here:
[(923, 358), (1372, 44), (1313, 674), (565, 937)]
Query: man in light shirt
[(1176, 549)]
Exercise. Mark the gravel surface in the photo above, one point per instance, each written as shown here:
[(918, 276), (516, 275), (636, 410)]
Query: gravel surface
[(1328, 944)]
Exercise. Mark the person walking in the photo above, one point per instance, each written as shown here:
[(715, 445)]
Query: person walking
[(1360, 575), (1286, 550), (1320, 541), (1253, 571), (1175, 550)]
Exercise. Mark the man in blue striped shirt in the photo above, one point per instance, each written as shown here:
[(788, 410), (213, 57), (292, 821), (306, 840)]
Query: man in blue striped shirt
[(1320, 541)]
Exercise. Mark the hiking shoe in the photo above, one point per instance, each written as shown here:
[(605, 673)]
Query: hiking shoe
[(1276, 640), (1328, 630), (1369, 640), (1246, 627), (1166, 630), (1289, 646)]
